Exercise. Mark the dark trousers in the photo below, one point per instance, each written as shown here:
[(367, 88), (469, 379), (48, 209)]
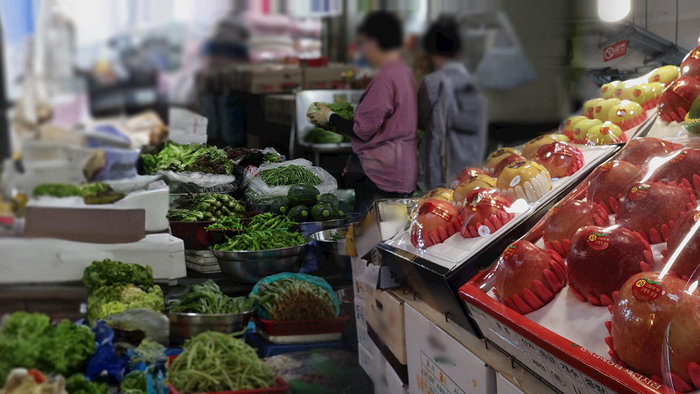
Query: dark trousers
[(366, 191)]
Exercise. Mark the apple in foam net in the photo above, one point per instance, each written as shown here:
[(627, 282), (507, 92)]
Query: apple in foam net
[(690, 66), (601, 259), (496, 156), (527, 276), (563, 220), (683, 247), (651, 209), (655, 328), (677, 98), (581, 129), (680, 167), (559, 158), (467, 173), (606, 133), (483, 213), (607, 183), (640, 151), (665, 74), (567, 128), (589, 107), (436, 221), (480, 181), (602, 109)]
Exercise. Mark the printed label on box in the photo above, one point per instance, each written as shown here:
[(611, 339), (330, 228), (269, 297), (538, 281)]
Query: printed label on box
[(434, 380)]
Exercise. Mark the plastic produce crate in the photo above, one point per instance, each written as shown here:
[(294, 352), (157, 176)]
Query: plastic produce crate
[(280, 387)]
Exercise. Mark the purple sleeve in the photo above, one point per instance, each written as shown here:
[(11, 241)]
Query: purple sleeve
[(377, 104)]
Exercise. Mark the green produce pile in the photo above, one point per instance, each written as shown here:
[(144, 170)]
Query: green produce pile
[(188, 157), (136, 382), (206, 206), (262, 240), (28, 340), (207, 298), (336, 237), (226, 223), (269, 221), (321, 136), (301, 197), (269, 158), (214, 362), (286, 175), (291, 299), (78, 384), (114, 287), (345, 110), (68, 190)]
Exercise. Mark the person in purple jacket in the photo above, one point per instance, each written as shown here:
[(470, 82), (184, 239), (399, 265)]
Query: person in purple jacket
[(384, 162)]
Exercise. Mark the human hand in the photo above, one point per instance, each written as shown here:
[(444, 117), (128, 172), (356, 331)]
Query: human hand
[(324, 113)]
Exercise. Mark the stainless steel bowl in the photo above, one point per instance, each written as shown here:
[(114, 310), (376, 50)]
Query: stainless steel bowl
[(186, 325), (328, 250), (309, 228), (251, 266)]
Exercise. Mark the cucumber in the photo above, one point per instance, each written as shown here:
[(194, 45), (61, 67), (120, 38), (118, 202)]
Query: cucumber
[(303, 195), (339, 214), (299, 213), (330, 198), (280, 205), (322, 211)]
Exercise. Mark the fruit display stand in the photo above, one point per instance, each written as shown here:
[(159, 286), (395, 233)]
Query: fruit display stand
[(437, 272), (569, 339)]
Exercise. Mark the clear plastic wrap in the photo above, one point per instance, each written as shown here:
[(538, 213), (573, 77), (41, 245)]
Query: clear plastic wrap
[(621, 253), (198, 182), (258, 187)]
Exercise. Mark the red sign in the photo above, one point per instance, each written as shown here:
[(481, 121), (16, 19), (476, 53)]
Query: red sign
[(615, 50)]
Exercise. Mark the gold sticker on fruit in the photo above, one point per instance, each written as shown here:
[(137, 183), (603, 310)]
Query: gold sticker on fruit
[(598, 241), (646, 290)]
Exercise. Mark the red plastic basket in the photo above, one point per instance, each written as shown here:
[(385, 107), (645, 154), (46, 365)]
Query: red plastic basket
[(301, 327), (193, 234)]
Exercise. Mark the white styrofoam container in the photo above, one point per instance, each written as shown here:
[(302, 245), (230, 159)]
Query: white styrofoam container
[(438, 363), (358, 266), (504, 386), (387, 381), (361, 313), (43, 260), (369, 358)]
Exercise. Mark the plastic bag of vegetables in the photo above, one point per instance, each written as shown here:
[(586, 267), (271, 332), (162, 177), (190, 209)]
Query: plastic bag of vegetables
[(274, 180), (344, 110), (197, 182), (289, 297)]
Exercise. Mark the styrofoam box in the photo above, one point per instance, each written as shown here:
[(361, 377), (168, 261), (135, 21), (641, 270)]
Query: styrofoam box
[(369, 358), (438, 363), (358, 266), (504, 386), (363, 338), (387, 381), (361, 312)]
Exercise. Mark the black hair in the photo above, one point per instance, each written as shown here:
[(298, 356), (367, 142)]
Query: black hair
[(383, 27), (442, 38)]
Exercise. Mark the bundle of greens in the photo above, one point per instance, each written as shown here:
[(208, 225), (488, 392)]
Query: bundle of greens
[(345, 110), (269, 221), (136, 382), (114, 287), (318, 135), (111, 273), (286, 175), (206, 206), (57, 190), (214, 362), (207, 298), (226, 223), (92, 193), (271, 158), (78, 384), (291, 299), (262, 240), (28, 340), (189, 157)]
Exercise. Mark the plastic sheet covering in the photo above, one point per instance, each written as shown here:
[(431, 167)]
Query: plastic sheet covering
[(197, 182), (257, 186)]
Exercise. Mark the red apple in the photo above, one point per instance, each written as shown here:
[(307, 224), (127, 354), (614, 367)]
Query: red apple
[(690, 66), (484, 212), (609, 180), (505, 162), (560, 159), (601, 259), (655, 329), (640, 151), (436, 221), (527, 277), (564, 219), (677, 98), (682, 168), (467, 173), (683, 248), (651, 209)]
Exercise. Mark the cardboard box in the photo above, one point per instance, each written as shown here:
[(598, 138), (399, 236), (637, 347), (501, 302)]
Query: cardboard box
[(504, 386), (385, 316), (358, 266), (325, 77), (259, 79), (360, 313), (438, 363)]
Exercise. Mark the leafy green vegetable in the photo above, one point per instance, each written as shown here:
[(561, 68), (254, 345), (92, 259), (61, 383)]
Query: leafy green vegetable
[(28, 340), (57, 190), (214, 362), (110, 300), (262, 240), (345, 110), (94, 189), (207, 298), (136, 382), (109, 272), (321, 136), (149, 352), (286, 175), (78, 384), (291, 299), (206, 206), (189, 157)]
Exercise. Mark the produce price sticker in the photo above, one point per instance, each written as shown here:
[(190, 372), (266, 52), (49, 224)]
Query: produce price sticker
[(434, 380)]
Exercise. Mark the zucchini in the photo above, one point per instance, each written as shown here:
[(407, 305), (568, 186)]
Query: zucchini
[(303, 195), (280, 205), (299, 213), (330, 198), (322, 211)]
